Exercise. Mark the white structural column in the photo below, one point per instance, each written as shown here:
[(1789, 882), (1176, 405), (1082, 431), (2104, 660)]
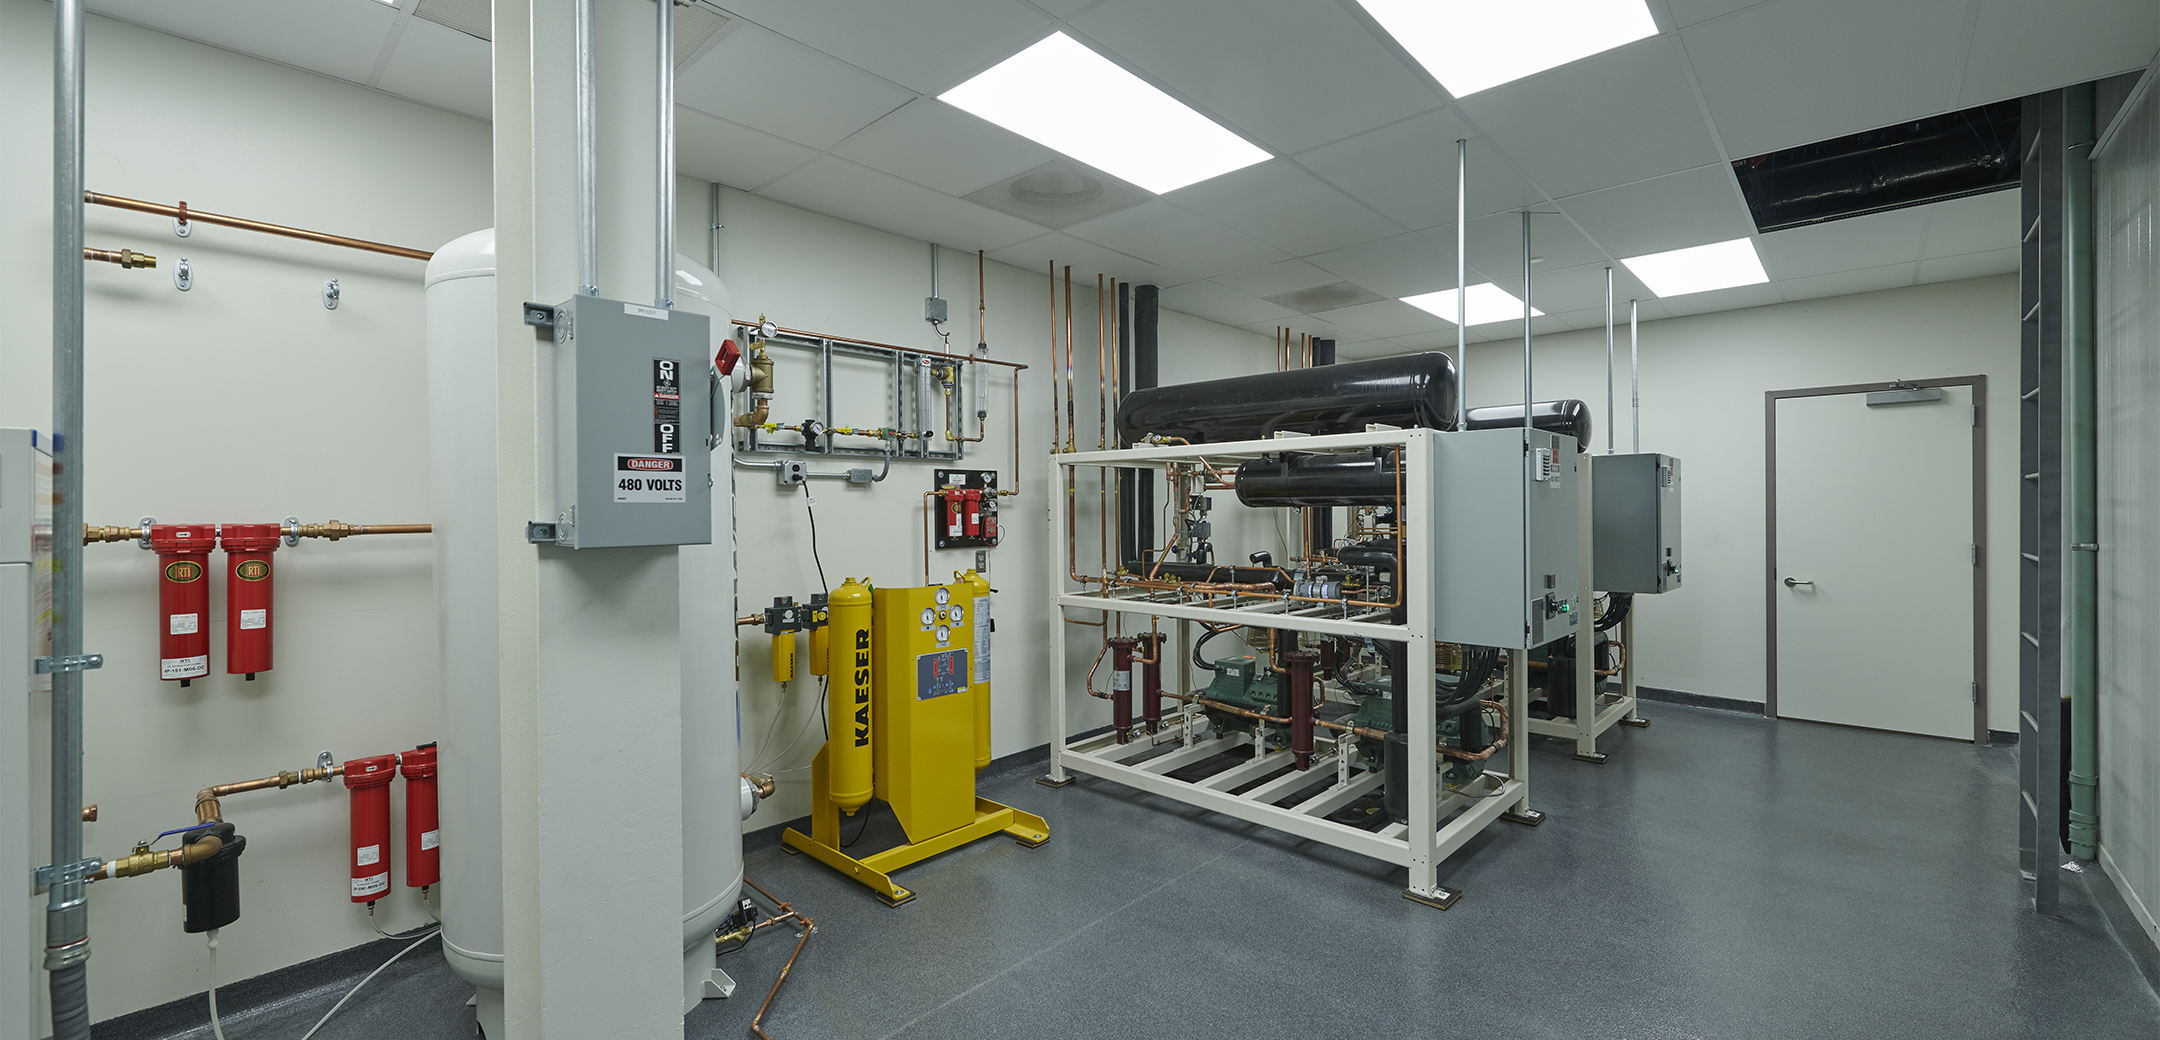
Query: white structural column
[(590, 679)]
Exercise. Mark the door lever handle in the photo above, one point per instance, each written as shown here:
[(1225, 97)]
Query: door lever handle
[(1792, 583)]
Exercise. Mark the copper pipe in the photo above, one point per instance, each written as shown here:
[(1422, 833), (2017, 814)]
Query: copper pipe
[(749, 619), (89, 814), (1070, 422), (1056, 431), (128, 259), (335, 530), (181, 213), (926, 508), (787, 912), (207, 809), (1015, 365)]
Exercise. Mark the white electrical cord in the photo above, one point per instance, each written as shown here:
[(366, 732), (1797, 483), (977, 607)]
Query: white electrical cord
[(415, 944), (215, 1026)]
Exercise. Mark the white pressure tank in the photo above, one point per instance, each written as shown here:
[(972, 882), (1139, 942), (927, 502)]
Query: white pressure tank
[(462, 435)]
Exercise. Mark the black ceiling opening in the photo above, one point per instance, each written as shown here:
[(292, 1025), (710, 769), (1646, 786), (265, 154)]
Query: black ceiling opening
[(1909, 164)]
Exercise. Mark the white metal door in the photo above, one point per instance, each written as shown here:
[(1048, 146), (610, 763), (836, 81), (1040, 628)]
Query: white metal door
[(1873, 558)]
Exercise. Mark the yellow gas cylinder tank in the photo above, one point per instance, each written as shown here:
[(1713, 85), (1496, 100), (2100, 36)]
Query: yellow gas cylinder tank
[(848, 751), (979, 662)]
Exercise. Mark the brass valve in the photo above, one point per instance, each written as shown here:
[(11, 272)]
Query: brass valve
[(145, 860), (93, 535), (332, 530)]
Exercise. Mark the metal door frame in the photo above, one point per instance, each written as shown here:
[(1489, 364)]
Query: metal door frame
[(1978, 383)]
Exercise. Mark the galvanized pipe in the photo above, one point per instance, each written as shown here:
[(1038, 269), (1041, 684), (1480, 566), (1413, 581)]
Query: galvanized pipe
[(664, 174), (1462, 272), (588, 156), (1527, 399), (1609, 405), (1634, 363), (67, 908)]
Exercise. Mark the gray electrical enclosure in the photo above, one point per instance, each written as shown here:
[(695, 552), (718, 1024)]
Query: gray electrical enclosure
[(1497, 581), (1635, 523), (632, 413)]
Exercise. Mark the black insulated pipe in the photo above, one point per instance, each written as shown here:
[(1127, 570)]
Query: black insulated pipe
[(1293, 479), (1323, 521), (1410, 391), (1128, 510), (1569, 417)]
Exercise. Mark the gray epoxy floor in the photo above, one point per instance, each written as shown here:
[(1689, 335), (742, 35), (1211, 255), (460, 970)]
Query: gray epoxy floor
[(1722, 876)]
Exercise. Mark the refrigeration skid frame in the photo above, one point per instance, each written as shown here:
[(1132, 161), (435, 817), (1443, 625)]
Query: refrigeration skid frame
[(1606, 709), (1292, 801)]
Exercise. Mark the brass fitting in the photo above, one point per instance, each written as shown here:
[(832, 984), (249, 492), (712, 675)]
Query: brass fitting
[(765, 785), (145, 860), (333, 530), (93, 535), (127, 258), (89, 814)]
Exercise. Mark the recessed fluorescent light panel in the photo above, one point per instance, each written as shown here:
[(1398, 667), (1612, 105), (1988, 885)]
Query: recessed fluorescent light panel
[(1487, 303), (1042, 93), (1719, 265), (1471, 45)]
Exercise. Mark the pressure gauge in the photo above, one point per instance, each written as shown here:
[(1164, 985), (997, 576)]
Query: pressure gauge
[(943, 633), (929, 617), (958, 614), (943, 595)]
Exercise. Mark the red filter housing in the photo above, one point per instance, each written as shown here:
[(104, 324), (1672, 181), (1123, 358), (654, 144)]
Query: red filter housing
[(423, 860), (955, 511), (247, 595), (369, 781), (973, 497), (183, 552)]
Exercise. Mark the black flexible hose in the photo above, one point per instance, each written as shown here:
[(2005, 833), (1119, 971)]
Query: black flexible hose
[(71, 1002), (1197, 662), (1622, 602)]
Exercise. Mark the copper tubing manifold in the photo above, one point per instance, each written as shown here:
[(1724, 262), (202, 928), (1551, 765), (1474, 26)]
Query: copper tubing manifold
[(787, 912), (332, 530), (144, 860), (128, 259), (207, 809), (185, 215)]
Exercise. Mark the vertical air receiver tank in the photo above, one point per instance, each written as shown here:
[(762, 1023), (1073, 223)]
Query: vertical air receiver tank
[(469, 532)]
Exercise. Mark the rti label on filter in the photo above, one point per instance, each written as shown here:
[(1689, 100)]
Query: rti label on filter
[(184, 624), (251, 619), (650, 478), (430, 839), (184, 667), (373, 884)]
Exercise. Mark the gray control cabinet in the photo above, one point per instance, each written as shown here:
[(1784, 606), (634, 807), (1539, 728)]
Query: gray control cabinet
[(1492, 586), (1635, 523), (632, 412)]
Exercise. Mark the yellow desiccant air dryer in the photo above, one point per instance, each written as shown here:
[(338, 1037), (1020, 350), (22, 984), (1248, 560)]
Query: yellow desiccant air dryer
[(911, 702)]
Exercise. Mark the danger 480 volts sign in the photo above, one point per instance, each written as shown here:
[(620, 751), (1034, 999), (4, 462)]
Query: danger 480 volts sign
[(650, 478)]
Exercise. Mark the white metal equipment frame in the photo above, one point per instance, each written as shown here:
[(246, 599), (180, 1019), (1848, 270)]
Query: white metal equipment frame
[(1595, 710), (1439, 822)]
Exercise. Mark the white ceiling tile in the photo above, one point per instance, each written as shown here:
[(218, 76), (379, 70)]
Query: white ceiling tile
[(1485, 392), (768, 82), (1283, 206), (1217, 304), (1159, 232), (1086, 259), (1670, 212), (842, 189), (1846, 283), (1842, 245), (1969, 265), (1404, 265), (1688, 12), (1280, 277), (442, 67), (1722, 299), (939, 146), (1578, 288), (2021, 47), (1291, 73), (1793, 73), (925, 45), (725, 153), (340, 38), (1973, 224), (1407, 171), (1619, 116), (1495, 244), (1385, 319)]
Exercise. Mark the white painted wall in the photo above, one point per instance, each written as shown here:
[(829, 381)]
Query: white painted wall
[(1703, 380), (242, 400), (817, 273)]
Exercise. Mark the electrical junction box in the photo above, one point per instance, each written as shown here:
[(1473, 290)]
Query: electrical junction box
[(1497, 580), (923, 706), (633, 410), (1635, 523)]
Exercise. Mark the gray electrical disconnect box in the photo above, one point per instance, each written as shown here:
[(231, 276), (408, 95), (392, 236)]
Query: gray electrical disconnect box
[(1496, 581), (632, 413), (1635, 523)]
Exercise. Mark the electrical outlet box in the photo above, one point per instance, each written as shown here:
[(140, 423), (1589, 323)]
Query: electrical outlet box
[(1635, 523), (933, 309), (790, 473), (632, 412), (1504, 576)]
